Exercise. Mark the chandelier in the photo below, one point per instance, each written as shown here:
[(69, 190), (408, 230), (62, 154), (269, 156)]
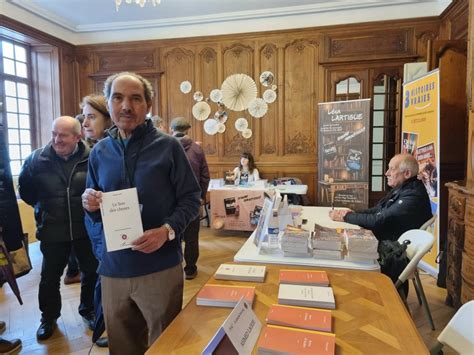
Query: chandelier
[(139, 2)]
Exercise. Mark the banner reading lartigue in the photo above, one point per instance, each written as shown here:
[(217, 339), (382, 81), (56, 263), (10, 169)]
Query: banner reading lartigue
[(344, 128), (420, 137)]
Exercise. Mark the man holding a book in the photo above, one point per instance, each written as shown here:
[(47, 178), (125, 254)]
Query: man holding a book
[(142, 286), (407, 206)]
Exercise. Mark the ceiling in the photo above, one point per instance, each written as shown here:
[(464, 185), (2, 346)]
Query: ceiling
[(96, 21)]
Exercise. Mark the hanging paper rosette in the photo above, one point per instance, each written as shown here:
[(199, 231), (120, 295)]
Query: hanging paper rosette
[(238, 90), (201, 110)]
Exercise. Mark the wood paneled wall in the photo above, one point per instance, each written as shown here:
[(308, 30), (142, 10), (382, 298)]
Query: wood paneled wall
[(284, 141)]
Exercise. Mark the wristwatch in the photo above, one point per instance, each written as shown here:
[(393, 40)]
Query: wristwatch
[(171, 234)]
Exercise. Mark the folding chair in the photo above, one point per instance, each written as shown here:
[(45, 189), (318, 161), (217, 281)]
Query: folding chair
[(459, 332), (429, 223), (420, 243)]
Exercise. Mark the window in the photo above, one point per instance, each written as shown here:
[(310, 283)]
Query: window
[(348, 89), (15, 96), (385, 129)]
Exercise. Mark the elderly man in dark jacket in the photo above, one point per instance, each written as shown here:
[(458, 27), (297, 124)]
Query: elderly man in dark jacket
[(406, 207), (197, 159), (52, 180)]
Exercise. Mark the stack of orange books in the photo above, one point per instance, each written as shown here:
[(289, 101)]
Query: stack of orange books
[(283, 340), (224, 295), (304, 277)]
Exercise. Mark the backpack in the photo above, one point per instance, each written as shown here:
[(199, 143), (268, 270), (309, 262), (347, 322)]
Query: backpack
[(393, 259)]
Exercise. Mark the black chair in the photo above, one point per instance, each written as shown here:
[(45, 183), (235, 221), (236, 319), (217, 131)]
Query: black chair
[(206, 206)]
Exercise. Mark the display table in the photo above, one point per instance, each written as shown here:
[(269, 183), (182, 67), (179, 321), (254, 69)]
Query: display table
[(249, 253), (369, 318), (238, 207)]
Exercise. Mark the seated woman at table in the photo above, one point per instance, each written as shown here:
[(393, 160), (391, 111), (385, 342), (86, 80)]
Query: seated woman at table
[(246, 172)]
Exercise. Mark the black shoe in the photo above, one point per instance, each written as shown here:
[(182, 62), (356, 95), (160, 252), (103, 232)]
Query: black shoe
[(9, 346), (46, 329), (191, 275), (90, 320), (102, 342)]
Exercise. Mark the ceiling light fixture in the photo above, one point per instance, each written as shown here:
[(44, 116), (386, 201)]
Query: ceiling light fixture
[(138, 2)]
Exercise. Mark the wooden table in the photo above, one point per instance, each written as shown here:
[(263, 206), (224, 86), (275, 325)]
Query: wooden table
[(369, 318)]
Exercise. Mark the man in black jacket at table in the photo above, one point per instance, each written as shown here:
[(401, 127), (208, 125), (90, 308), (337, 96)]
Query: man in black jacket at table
[(407, 206)]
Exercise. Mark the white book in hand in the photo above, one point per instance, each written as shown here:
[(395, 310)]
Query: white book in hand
[(238, 272), (121, 218), (306, 296)]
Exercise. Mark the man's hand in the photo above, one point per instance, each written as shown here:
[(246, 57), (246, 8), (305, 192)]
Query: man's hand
[(338, 215), (91, 200), (151, 240)]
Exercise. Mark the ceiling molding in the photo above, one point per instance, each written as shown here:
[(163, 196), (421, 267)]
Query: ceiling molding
[(78, 29), (235, 16)]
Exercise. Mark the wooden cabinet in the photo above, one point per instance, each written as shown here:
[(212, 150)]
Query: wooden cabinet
[(460, 247)]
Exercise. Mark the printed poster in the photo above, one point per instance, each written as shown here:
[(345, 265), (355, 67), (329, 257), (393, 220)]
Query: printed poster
[(236, 208), (420, 137), (344, 128)]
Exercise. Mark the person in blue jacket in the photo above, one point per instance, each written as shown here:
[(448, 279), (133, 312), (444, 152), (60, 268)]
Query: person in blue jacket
[(142, 287), (407, 206)]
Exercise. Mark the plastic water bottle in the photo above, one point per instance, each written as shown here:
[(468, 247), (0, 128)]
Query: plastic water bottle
[(273, 230)]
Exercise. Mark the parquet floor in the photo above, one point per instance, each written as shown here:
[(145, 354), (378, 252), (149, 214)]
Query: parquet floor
[(73, 336)]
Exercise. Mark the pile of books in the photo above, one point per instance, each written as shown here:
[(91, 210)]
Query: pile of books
[(361, 245), (224, 295), (300, 330), (284, 340), (295, 242), (305, 288), (327, 243), (237, 272)]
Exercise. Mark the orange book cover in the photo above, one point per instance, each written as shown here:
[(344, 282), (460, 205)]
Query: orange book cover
[(226, 293), (300, 317), (304, 277), (296, 341)]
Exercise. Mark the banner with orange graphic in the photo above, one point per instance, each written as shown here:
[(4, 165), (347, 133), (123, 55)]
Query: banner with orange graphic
[(420, 137)]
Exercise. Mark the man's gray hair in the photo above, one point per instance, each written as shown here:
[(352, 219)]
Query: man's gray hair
[(76, 125), (147, 88), (157, 120), (408, 162)]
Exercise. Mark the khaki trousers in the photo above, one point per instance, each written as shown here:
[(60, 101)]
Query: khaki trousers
[(138, 309)]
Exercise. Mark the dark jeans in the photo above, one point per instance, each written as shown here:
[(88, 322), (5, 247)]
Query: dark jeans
[(55, 257), (72, 264), (191, 246)]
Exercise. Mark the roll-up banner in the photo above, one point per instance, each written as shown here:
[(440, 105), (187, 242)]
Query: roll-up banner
[(420, 137), (344, 128)]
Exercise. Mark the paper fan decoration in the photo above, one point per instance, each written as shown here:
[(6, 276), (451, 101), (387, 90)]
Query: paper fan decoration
[(266, 78), (274, 87), (216, 95), (241, 124), (238, 90), (258, 108), (211, 126), (185, 87), (198, 96), (220, 127), (221, 116), (247, 133), (201, 110), (269, 96)]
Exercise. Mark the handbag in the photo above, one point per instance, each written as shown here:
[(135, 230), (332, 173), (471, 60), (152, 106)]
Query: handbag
[(20, 259)]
